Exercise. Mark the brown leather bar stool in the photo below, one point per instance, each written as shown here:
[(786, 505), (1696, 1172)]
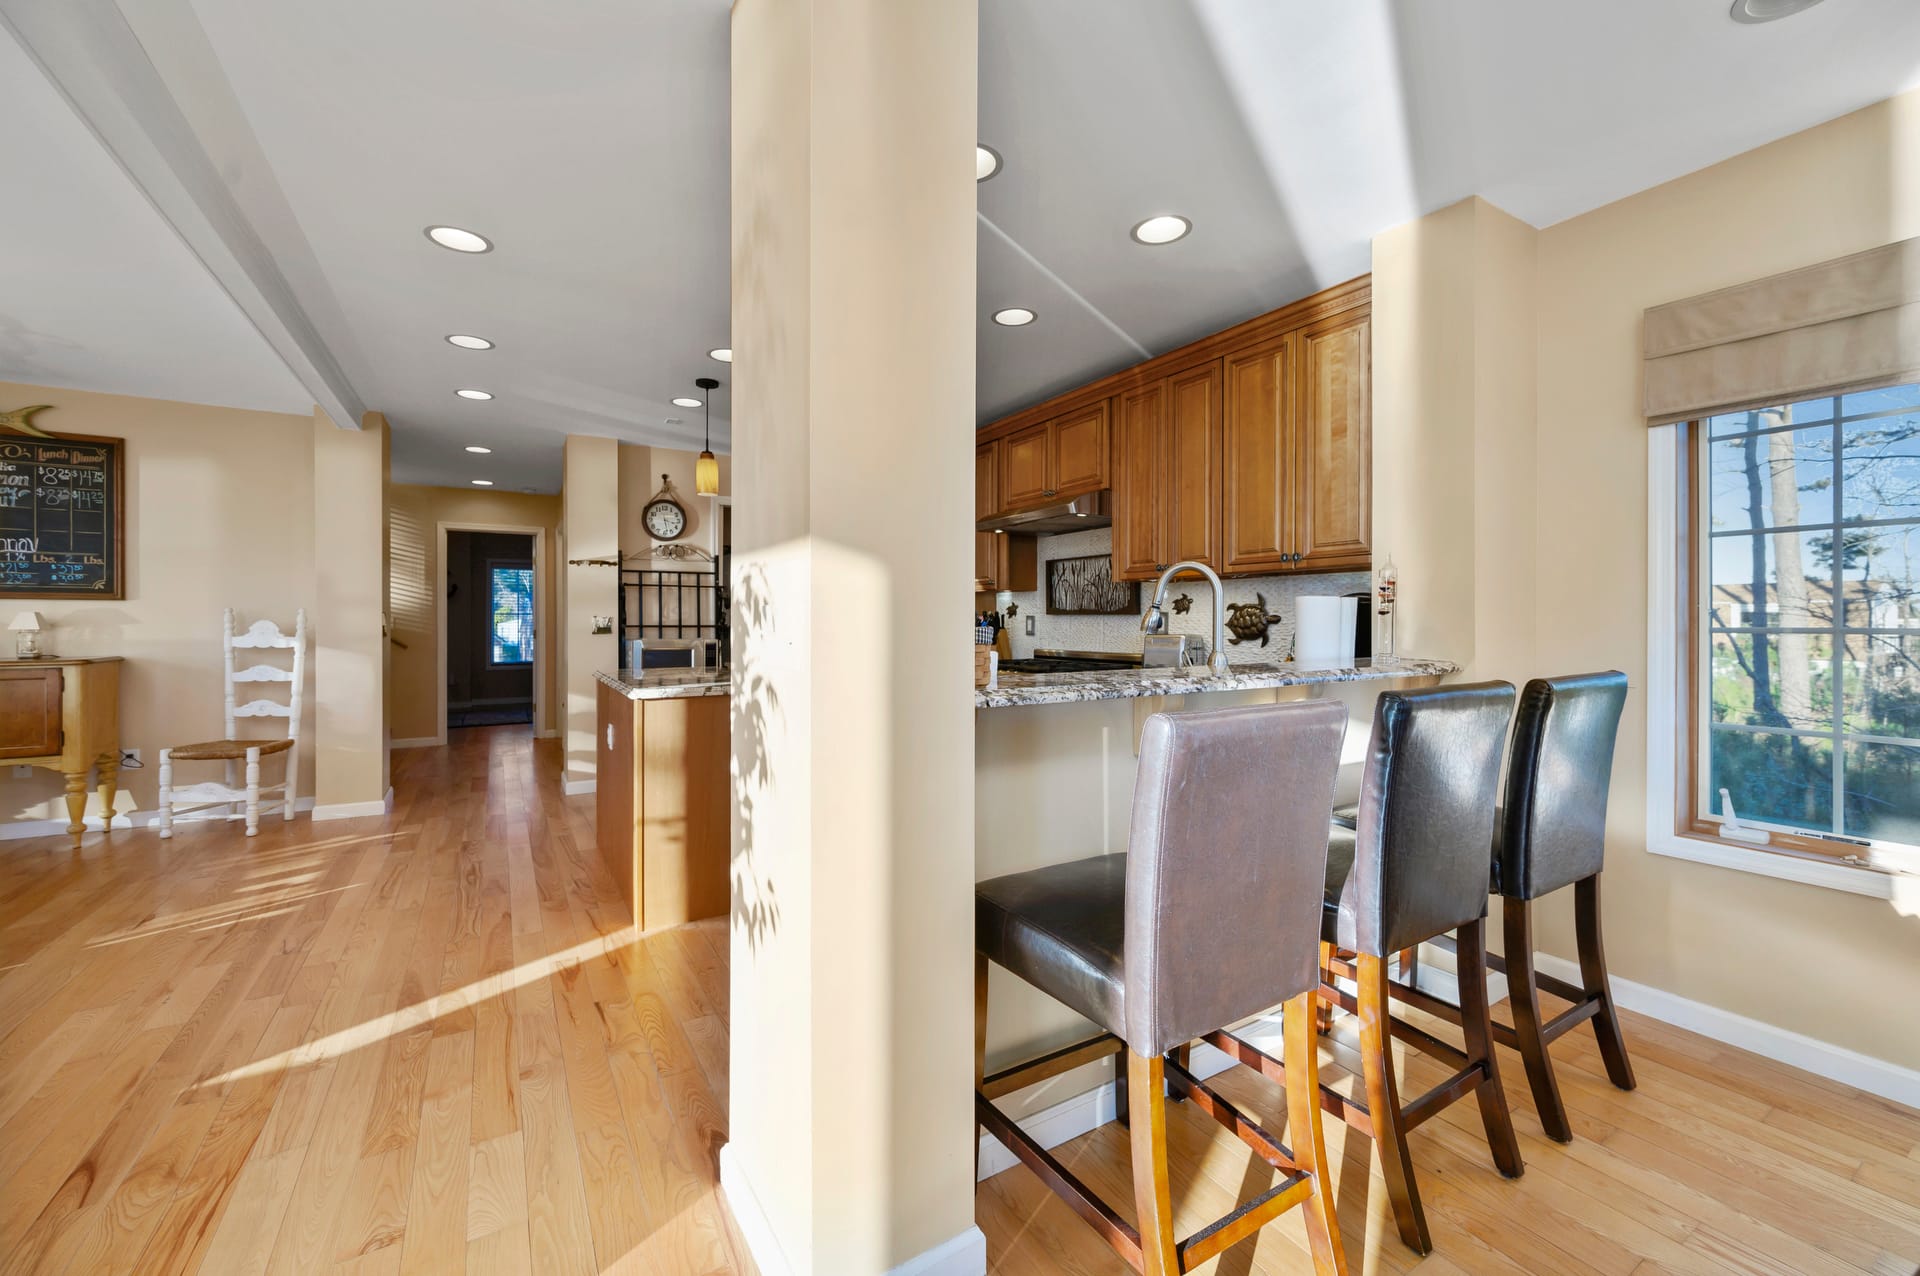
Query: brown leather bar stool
[(1551, 834), (1416, 867), (1212, 916)]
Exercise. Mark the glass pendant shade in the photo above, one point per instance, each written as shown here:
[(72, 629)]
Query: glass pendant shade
[(706, 475)]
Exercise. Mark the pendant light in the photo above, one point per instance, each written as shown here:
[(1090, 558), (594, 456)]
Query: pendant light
[(706, 471)]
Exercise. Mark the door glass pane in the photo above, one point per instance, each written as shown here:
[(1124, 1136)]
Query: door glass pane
[(1772, 776), (1783, 479), (1883, 792), (512, 615)]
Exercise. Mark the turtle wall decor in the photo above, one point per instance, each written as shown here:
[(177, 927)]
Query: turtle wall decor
[(1183, 604), (1247, 621)]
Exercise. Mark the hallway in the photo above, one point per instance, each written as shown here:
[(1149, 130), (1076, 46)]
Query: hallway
[(373, 1045)]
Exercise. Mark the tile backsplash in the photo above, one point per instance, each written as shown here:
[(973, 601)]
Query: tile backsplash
[(1122, 633)]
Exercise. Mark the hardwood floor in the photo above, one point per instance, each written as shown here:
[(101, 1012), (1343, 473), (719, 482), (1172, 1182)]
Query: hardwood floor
[(420, 1043), (428, 1043)]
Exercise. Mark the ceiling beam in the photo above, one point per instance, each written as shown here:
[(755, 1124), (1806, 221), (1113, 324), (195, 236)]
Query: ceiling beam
[(92, 56)]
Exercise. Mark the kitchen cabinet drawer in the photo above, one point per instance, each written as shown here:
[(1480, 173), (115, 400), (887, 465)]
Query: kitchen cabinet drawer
[(30, 712)]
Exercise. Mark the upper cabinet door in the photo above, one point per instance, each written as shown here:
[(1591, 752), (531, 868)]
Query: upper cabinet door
[(1139, 525), (1026, 471), (986, 480), (1080, 451), (1191, 481), (1333, 503), (1259, 457)]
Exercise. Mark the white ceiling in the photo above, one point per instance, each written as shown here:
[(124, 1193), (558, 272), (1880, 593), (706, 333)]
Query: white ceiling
[(589, 141), (1292, 131), (96, 291)]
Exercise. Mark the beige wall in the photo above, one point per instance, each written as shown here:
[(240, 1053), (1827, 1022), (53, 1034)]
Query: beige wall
[(1816, 961), (219, 513), (417, 582), (590, 524), (640, 471), (853, 301), (349, 597)]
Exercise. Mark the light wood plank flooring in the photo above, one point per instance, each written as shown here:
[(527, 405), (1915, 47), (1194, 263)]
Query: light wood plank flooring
[(421, 1043), (428, 1043)]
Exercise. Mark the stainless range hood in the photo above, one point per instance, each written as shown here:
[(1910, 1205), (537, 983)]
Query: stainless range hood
[(1095, 509)]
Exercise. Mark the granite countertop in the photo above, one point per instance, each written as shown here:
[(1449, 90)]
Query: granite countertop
[(1126, 684), (668, 684)]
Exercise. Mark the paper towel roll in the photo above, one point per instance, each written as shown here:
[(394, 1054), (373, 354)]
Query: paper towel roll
[(1324, 628)]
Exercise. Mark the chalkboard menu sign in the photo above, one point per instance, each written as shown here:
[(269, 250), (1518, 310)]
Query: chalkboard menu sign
[(60, 525)]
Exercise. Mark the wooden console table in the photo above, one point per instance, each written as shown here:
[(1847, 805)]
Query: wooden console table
[(64, 715)]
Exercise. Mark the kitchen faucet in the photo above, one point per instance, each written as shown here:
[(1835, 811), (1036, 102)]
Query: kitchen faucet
[(1155, 621)]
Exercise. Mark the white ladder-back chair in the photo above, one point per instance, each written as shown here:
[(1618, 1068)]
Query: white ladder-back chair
[(233, 749)]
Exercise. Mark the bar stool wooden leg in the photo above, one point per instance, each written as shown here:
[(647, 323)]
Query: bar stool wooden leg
[(1152, 1192), (1524, 995), (1304, 1132), (979, 1045), (1322, 1008), (1593, 975), (1476, 1025), (1383, 1102)]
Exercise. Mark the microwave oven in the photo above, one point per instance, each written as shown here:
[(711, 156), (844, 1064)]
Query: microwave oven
[(642, 654)]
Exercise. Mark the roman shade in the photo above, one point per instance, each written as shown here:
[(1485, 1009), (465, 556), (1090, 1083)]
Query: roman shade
[(1851, 323)]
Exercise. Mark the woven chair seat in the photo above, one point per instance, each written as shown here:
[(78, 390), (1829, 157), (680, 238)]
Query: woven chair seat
[(226, 750)]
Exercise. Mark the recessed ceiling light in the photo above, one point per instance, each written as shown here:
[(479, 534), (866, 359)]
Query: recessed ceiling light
[(476, 448), (1162, 230), (473, 394), (461, 241), (723, 354), (686, 403), (1013, 316), (986, 162), (481, 482), (1755, 11), (469, 343)]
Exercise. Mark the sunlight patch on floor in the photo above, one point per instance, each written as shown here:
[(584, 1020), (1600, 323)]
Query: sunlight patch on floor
[(347, 1040)]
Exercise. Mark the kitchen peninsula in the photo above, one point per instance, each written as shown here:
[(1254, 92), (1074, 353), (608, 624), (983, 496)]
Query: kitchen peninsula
[(661, 802)]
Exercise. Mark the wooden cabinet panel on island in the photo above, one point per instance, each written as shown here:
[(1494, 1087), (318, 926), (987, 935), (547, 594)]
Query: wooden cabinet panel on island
[(662, 804)]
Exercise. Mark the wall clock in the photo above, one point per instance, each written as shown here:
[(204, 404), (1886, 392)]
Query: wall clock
[(664, 517)]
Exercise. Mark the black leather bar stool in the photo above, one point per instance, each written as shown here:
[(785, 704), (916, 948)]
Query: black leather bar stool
[(1212, 916), (1416, 867), (1551, 834)]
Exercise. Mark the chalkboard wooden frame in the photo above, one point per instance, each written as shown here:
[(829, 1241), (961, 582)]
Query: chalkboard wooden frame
[(116, 448)]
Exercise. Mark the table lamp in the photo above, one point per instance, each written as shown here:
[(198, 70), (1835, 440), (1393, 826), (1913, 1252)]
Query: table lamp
[(26, 634)]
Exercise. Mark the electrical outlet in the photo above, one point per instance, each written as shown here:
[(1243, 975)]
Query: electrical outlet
[(1029, 626), (23, 773), (130, 760)]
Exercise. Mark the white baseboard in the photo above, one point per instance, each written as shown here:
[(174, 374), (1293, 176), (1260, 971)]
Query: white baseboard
[(574, 788), (354, 810), (1071, 1118), (758, 1233), (961, 1255), (1782, 1045), (130, 820), (547, 733), (417, 742)]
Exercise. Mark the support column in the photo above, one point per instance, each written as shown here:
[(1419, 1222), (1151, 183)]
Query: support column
[(590, 528), (348, 624), (853, 325)]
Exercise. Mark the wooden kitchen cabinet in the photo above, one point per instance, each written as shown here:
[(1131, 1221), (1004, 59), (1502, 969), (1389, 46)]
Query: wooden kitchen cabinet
[(1250, 450), (1256, 506), (1333, 495), (1055, 460), (1000, 561), (1167, 469)]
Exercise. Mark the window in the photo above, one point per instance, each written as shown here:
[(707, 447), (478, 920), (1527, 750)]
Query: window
[(510, 587), (1805, 593)]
